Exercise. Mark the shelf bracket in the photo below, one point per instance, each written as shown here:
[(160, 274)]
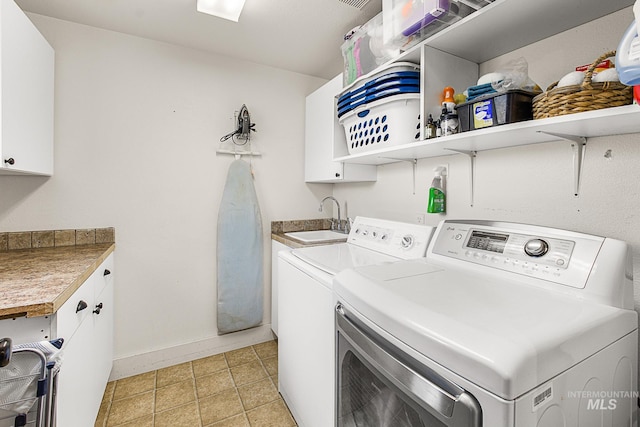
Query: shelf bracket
[(579, 146), (471, 154), (414, 162)]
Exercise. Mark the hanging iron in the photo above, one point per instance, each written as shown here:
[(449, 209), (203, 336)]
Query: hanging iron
[(244, 127)]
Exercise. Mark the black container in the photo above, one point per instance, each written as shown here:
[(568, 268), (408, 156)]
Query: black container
[(495, 109)]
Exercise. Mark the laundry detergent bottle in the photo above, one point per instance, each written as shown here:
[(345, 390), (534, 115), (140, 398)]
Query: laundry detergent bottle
[(628, 53), (437, 202)]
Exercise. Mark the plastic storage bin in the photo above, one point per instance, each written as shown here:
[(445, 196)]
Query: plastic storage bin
[(365, 50), (407, 22), (477, 4), (495, 109), (416, 15)]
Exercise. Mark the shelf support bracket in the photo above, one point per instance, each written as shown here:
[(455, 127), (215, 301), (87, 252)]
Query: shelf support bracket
[(471, 154), (579, 146), (414, 162)]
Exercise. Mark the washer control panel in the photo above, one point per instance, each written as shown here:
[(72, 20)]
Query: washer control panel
[(550, 254), (517, 247), (399, 239)]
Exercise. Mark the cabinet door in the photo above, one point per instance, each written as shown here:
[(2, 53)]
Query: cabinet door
[(306, 347), (77, 405), (74, 311), (276, 247), (325, 139), (88, 353), (26, 94), (103, 315)]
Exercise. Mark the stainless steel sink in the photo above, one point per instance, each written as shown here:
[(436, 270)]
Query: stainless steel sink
[(317, 236)]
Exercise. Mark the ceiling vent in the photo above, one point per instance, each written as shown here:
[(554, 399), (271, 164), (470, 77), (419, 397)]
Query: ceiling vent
[(358, 4)]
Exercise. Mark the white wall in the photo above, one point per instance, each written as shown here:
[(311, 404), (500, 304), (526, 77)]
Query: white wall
[(531, 184), (137, 125)]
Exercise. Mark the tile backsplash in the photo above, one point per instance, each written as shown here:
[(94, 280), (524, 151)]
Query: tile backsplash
[(13, 240), (300, 225)]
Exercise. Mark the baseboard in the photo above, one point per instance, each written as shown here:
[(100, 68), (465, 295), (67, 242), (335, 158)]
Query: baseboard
[(158, 359)]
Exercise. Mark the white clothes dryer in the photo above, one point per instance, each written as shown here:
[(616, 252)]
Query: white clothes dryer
[(502, 325)]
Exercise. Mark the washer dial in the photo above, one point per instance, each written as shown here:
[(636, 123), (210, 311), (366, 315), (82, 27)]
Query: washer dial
[(407, 241), (536, 247)]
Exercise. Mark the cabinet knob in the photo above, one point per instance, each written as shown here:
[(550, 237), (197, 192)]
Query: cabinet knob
[(81, 306), (337, 175), (98, 308), (10, 160), (106, 272)]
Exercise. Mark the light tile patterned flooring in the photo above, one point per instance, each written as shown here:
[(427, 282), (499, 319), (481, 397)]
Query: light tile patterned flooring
[(234, 389)]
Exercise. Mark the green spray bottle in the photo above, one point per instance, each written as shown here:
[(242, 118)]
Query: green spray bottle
[(437, 200)]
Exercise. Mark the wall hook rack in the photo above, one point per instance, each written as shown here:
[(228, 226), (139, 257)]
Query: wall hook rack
[(239, 154)]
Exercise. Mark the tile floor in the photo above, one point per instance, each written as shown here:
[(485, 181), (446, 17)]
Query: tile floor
[(234, 389)]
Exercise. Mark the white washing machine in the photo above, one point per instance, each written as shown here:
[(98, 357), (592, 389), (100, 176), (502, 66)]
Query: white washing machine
[(502, 325), (306, 340)]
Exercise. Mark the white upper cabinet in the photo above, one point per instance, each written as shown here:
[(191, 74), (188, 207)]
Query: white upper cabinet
[(26, 95), (324, 140)]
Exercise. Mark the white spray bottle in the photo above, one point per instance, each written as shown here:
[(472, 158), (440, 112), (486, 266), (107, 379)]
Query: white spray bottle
[(628, 53)]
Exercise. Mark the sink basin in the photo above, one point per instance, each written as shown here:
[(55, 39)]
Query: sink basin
[(317, 236)]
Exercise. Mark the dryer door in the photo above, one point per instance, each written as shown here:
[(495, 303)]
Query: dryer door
[(379, 386)]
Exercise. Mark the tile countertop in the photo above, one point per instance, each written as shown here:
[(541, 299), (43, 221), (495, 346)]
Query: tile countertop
[(36, 282)]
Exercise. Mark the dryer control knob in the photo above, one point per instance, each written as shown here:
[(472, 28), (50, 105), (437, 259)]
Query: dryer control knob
[(536, 247), (407, 241)]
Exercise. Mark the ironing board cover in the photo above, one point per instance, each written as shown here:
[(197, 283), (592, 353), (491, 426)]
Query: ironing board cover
[(240, 253)]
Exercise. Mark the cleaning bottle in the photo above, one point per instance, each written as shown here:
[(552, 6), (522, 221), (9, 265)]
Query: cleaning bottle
[(430, 128), (628, 57), (448, 101), (628, 53), (437, 203)]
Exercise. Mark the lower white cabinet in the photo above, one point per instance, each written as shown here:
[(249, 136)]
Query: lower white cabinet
[(85, 321), (276, 247), (306, 350)]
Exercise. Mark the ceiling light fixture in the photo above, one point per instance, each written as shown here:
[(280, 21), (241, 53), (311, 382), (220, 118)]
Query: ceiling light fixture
[(227, 9)]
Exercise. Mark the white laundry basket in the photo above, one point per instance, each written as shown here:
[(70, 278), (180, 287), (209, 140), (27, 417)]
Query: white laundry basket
[(384, 123), (28, 383)]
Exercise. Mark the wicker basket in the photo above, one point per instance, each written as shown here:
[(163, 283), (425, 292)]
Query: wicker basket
[(588, 96)]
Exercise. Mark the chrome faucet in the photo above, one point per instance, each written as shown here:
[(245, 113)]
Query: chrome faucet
[(333, 227)]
